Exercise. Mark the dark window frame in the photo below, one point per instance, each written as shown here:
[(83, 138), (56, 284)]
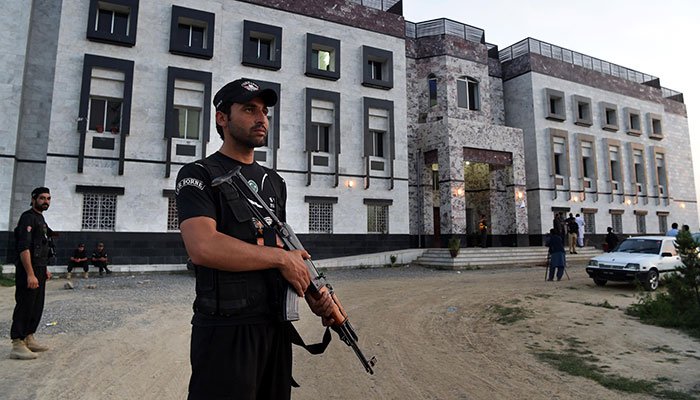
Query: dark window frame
[(192, 17), (559, 99), (386, 58), (317, 43), (257, 30), (96, 35)]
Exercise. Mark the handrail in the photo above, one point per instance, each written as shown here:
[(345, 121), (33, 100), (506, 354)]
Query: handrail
[(444, 26), (530, 45), (383, 5)]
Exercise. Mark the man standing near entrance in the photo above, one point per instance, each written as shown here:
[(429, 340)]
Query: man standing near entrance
[(32, 241)]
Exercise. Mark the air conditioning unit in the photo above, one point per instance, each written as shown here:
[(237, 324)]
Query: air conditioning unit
[(615, 186), (587, 183), (559, 181)]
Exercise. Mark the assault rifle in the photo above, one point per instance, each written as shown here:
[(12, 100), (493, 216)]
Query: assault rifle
[(318, 286)]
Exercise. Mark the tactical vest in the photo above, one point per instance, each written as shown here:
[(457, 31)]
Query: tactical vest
[(250, 296)]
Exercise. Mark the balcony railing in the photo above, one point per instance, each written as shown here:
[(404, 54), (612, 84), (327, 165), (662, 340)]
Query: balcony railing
[(535, 46), (383, 5), (444, 26)]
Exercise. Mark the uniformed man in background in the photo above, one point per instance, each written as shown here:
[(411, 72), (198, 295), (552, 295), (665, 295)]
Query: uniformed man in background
[(32, 242)]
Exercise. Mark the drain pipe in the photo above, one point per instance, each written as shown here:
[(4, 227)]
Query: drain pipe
[(419, 191)]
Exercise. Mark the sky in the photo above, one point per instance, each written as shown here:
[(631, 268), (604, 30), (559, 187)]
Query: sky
[(658, 38)]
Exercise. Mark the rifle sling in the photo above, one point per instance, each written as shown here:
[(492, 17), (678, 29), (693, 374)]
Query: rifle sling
[(316, 348)]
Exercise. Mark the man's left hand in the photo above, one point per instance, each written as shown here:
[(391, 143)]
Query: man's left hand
[(322, 307), (48, 274)]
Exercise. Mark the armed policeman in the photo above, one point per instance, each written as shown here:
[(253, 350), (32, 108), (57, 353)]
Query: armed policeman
[(240, 345), (32, 237)]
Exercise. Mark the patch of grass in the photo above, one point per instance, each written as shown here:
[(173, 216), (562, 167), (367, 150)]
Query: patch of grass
[(574, 364), (604, 304), (669, 311), (509, 315)]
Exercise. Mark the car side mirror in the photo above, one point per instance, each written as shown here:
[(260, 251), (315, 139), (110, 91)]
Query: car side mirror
[(666, 254)]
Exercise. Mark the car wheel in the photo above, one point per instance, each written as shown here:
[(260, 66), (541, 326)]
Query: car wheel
[(600, 282), (652, 281)]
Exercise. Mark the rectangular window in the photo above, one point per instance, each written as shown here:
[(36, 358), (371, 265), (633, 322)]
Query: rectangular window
[(378, 143), (560, 167), (320, 217), (322, 137), (191, 36), (633, 119), (432, 91), (616, 222), (377, 218), (375, 68), (582, 111), (661, 173), (189, 122), (105, 115), (639, 175), (468, 93), (656, 129), (173, 223), (663, 224), (191, 33), (322, 57), (615, 170), (99, 212), (262, 45), (609, 113), (378, 69), (555, 105), (641, 223), (589, 222), (113, 21), (588, 160)]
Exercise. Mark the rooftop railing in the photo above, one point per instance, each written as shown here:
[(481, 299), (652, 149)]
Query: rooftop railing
[(535, 46), (383, 5), (444, 26)]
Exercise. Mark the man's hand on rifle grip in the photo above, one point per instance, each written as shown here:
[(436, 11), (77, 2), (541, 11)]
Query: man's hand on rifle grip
[(294, 270), (323, 306)]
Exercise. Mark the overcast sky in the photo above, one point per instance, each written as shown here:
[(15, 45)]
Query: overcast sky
[(658, 38)]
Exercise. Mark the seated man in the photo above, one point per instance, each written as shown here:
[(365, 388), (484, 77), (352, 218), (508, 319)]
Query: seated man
[(99, 258), (79, 259)]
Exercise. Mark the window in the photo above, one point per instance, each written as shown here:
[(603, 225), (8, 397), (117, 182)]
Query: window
[(582, 111), (634, 126), (322, 57), (262, 45), (560, 161), (432, 90), (378, 69), (191, 33), (378, 135), (105, 115), (322, 134), (189, 122), (661, 174), (639, 174), (588, 162), (609, 113), (435, 175), (186, 115), (655, 131), (555, 105), (468, 93), (173, 223), (99, 211), (641, 223), (377, 218), (322, 129), (615, 168), (321, 217), (616, 222), (113, 21), (663, 224), (104, 106), (589, 222), (378, 143)]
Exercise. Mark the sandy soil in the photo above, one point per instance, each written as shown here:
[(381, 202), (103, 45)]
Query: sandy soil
[(435, 335)]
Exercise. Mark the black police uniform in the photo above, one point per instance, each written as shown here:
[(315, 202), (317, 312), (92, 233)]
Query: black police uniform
[(31, 234), (239, 344), (78, 254), (102, 265)]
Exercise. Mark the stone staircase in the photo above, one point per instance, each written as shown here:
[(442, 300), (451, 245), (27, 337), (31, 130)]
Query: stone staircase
[(498, 257)]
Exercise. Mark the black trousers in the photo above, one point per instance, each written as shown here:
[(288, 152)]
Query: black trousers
[(246, 362), (101, 265), (83, 264), (29, 303)]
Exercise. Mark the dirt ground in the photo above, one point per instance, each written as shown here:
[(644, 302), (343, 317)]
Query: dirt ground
[(435, 335)]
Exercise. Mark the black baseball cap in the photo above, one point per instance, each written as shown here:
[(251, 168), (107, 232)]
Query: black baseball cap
[(241, 91)]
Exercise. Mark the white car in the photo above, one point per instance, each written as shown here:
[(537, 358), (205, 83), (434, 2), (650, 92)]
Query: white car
[(640, 258)]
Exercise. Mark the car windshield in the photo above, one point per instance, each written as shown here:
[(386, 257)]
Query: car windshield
[(645, 246)]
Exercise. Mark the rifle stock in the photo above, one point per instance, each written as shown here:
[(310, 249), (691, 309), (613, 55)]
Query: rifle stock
[(318, 286)]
